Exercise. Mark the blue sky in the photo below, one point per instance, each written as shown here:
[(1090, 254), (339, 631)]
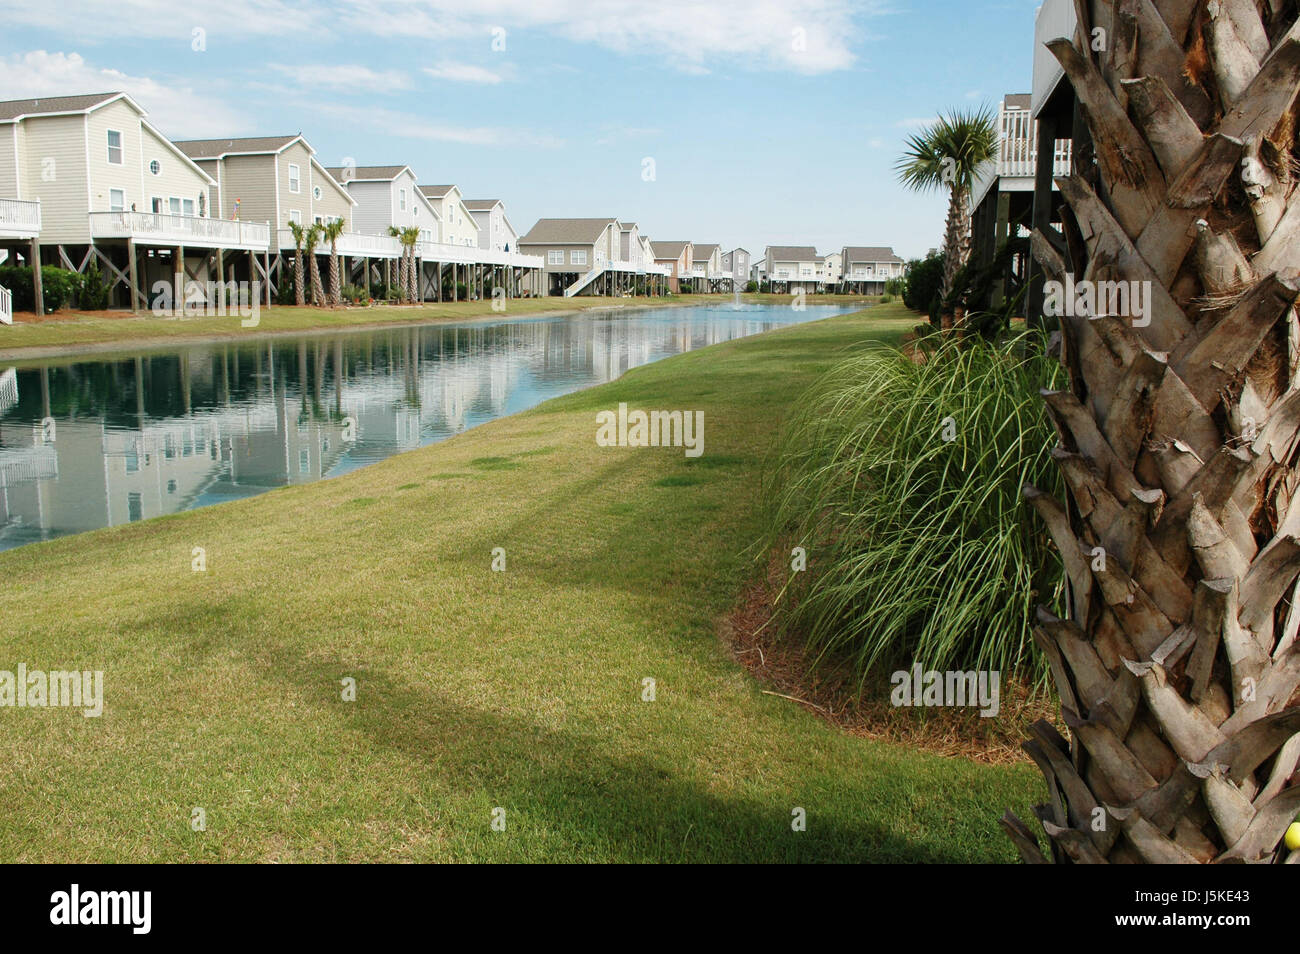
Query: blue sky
[(768, 121)]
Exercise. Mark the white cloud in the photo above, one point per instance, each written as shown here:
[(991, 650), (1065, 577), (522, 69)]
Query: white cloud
[(345, 77), (467, 73), (412, 126), (178, 111), (804, 36)]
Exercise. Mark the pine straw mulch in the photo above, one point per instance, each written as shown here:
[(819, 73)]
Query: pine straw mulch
[(830, 691)]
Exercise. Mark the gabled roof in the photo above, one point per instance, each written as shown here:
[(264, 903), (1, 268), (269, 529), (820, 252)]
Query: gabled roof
[(704, 251), (738, 248), (366, 173), (667, 250), (15, 109), (477, 205), (565, 232), (436, 191), (869, 253), (247, 146), (791, 253), (627, 226)]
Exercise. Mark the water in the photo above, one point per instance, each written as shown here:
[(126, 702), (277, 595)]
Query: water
[(104, 440)]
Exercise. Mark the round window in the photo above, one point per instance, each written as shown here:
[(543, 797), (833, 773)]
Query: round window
[(316, 193), (155, 167)]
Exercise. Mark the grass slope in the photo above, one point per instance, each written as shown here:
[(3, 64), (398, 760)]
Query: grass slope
[(476, 690)]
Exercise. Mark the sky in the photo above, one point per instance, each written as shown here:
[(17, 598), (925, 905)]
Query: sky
[(741, 122)]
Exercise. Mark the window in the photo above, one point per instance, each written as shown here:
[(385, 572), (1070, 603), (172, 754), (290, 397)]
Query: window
[(578, 257), (316, 193), (319, 221), (114, 147), (174, 205), (555, 256), (294, 182), (295, 216), (187, 207), (155, 166), (116, 200), (155, 204), (401, 199)]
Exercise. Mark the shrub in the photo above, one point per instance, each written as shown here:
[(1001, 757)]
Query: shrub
[(886, 299), (354, 293), (919, 547), (284, 294), (94, 290), (922, 284), (751, 286), (59, 286)]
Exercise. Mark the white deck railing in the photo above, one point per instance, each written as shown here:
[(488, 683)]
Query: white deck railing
[(20, 218), (6, 306), (473, 255), (1017, 153), (154, 228), (350, 243)]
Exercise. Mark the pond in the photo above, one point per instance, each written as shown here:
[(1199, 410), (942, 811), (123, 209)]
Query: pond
[(107, 439)]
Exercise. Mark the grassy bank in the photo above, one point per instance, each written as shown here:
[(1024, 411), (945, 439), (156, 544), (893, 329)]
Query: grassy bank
[(476, 690), (99, 330)]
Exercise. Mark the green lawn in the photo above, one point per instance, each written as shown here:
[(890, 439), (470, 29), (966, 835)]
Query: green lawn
[(97, 329), (476, 690)]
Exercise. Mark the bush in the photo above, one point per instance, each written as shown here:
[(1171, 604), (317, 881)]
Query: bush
[(94, 290), (919, 547), (922, 285), (765, 288), (886, 299), (284, 294), (354, 293), (60, 287), (751, 287)]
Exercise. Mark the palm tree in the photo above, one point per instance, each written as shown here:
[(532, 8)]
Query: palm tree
[(1178, 661), (332, 230), (299, 239), (403, 280), (946, 155), (411, 238), (313, 239)]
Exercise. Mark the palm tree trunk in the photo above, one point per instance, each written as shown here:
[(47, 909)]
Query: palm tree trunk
[(336, 290), (956, 243), (1177, 664), (317, 289), (299, 293)]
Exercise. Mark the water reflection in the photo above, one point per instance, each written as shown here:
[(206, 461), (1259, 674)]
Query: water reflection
[(106, 441)]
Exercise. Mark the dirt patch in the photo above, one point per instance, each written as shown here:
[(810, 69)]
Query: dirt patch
[(831, 691)]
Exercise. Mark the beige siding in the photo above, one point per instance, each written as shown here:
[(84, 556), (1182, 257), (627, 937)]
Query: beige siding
[(176, 177), (301, 200), (8, 162), (54, 171), (334, 202), (251, 179)]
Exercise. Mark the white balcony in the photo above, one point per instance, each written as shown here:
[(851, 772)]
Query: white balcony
[(352, 244), (473, 255), (154, 228), (19, 219), (1017, 159)]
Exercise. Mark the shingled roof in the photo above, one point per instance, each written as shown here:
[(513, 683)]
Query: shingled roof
[(216, 148), (869, 253), (792, 253), (45, 105), (364, 172), (565, 232), (666, 250)]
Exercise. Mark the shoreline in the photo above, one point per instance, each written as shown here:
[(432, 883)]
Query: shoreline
[(158, 342)]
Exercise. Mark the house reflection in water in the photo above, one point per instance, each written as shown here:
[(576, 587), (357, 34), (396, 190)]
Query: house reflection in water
[(117, 439)]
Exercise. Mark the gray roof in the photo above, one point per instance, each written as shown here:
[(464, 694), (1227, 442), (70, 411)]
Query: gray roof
[(436, 191), (16, 108), (365, 172), (478, 205), (565, 232), (1018, 100), (791, 253), (703, 251), (869, 253), (668, 249), (216, 148)]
